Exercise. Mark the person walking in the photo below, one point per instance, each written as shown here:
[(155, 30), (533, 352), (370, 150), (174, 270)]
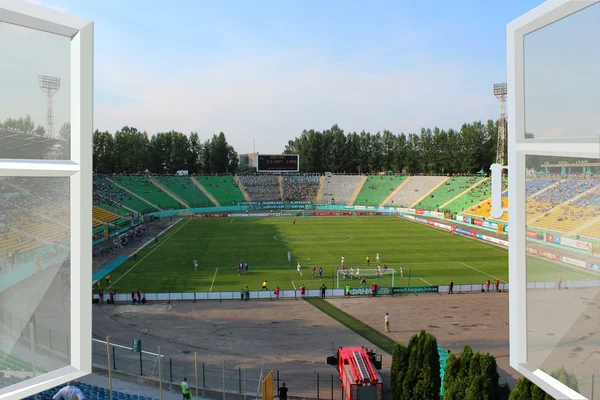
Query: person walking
[(69, 392), (451, 287), (387, 322), (283, 390), (185, 389)]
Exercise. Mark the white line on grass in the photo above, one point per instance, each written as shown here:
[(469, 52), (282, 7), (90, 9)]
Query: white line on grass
[(481, 272), (359, 220), (231, 221), (150, 252), (424, 281), (214, 277), (293, 285)]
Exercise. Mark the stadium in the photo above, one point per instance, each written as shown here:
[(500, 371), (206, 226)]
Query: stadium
[(346, 265)]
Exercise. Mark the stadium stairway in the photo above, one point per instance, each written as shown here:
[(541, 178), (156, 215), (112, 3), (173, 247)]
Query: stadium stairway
[(399, 188), (584, 227), (557, 206), (319, 196), (280, 180), (242, 189), (428, 193), (31, 235), (463, 193), (206, 192), (133, 194), (357, 190), (545, 189), (169, 192)]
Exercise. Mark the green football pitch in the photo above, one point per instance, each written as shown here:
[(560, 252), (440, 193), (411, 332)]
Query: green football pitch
[(429, 256)]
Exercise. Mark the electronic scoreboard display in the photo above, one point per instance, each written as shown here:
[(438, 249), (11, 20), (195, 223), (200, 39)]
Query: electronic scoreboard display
[(278, 163)]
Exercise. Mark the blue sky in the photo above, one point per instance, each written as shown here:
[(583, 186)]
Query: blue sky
[(267, 70)]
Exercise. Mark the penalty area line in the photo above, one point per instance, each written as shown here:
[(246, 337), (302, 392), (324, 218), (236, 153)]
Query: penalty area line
[(213, 281), (424, 281), (481, 272)]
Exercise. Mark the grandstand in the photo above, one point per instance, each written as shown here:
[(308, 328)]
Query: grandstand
[(184, 188), (414, 189), (567, 218), (447, 191), (223, 188), (484, 209), (111, 197), (534, 186), (261, 187), (469, 198), (300, 186), (141, 186), (338, 189), (101, 217), (377, 188)]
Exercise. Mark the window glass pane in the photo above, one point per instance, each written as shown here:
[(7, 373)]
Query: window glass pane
[(34, 277), (35, 95), (562, 77), (563, 265)]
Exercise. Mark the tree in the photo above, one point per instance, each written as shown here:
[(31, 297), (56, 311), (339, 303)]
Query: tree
[(415, 370), (104, 152), (527, 390)]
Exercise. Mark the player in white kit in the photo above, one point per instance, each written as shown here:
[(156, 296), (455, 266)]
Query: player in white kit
[(342, 261), (298, 268), (289, 256), (196, 264), (357, 272)]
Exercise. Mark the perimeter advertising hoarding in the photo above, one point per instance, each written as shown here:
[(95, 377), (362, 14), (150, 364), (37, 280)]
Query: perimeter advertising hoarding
[(394, 290), (278, 163)]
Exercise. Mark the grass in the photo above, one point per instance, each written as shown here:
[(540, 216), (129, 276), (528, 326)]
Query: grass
[(431, 256), (372, 335)]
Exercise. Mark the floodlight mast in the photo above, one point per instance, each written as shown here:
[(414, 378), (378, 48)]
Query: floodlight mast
[(500, 91), (49, 85)]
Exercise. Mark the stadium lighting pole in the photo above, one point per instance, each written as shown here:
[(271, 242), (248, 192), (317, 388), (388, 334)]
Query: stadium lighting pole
[(49, 85), (500, 91)]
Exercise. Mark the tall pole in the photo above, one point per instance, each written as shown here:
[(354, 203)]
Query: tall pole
[(108, 367), (196, 372), (500, 91), (32, 341), (49, 85), (159, 375)]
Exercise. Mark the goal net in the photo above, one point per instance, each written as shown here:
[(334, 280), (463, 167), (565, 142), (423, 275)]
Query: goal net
[(295, 213), (383, 277)]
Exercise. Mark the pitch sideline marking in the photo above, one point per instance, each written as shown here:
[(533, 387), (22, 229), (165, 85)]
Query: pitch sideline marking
[(214, 277), (231, 221), (150, 252), (481, 272), (359, 220), (424, 281), (293, 285)]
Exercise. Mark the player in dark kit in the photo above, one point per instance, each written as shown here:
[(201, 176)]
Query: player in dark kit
[(294, 222)]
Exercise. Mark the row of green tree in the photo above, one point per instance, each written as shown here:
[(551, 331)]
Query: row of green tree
[(433, 151), (415, 374), (58, 149), (130, 150)]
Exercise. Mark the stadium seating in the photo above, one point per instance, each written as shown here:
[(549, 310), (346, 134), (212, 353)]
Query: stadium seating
[(377, 188), (567, 218), (533, 186), (450, 189), (300, 186), (107, 193), (414, 189), (145, 189), (338, 189), (484, 209), (10, 363), (592, 231), (101, 216), (565, 191), (223, 188), (183, 187), (261, 187), (92, 393), (471, 198)]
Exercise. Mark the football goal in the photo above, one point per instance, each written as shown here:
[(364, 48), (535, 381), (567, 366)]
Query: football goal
[(385, 277)]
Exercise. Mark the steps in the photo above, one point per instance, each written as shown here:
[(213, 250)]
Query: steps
[(357, 190), (242, 189), (428, 193), (399, 188), (206, 192), (319, 196), (133, 194), (167, 191), (280, 180)]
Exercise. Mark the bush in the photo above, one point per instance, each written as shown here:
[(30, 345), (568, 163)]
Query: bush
[(526, 390)]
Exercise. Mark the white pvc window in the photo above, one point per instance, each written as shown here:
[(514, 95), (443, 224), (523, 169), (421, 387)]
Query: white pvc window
[(553, 84), (45, 198)]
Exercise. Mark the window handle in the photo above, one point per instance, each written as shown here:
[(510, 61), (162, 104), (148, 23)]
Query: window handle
[(497, 210)]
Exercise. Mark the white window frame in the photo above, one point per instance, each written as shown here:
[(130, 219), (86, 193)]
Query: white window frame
[(79, 170), (546, 14)]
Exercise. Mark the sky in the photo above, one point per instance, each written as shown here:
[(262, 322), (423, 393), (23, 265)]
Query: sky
[(266, 70)]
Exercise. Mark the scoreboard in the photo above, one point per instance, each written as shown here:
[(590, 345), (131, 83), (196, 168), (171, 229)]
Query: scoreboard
[(278, 163)]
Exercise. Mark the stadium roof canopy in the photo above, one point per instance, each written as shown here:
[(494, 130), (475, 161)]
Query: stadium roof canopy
[(16, 144)]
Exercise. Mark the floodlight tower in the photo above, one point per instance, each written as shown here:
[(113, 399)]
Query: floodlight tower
[(500, 93), (49, 85)]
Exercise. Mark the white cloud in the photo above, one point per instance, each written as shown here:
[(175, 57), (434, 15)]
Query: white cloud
[(260, 97)]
